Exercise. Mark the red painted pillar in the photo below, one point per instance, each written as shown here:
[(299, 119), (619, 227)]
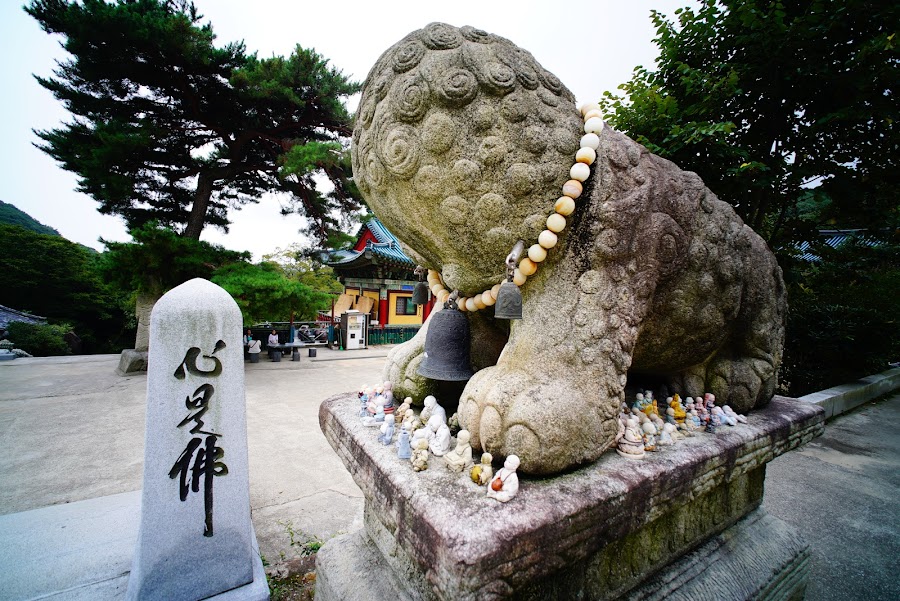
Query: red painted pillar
[(383, 311), (427, 307)]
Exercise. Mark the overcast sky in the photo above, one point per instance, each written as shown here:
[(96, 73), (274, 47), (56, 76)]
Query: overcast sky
[(591, 46)]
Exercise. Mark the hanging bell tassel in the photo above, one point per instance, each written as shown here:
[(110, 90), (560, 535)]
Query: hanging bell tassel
[(509, 299), (447, 345), (420, 292)]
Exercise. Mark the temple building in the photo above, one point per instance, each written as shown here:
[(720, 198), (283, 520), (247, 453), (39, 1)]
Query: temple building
[(378, 279)]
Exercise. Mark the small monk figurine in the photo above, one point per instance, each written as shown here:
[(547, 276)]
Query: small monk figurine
[(649, 434), (419, 458), (404, 450), (440, 442), (734, 415), (432, 408), (678, 412), (640, 403), (461, 456), (400, 412), (630, 443), (505, 483), (387, 432), (482, 473)]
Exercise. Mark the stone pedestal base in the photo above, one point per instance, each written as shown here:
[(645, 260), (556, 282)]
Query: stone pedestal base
[(615, 528), (132, 361), (759, 558)]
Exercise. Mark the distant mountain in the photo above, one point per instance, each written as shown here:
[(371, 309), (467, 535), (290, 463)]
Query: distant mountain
[(13, 216)]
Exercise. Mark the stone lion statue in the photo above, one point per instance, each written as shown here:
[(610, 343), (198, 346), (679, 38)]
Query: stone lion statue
[(462, 145)]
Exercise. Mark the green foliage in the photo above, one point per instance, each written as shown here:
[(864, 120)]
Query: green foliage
[(10, 215), (295, 263), (40, 339), (159, 259), (764, 99), (168, 127), (264, 294), (843, 320), (50, 276)]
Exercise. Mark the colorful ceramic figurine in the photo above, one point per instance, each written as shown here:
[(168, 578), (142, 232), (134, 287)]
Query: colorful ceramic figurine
[(404, 450), (678, 409), (364, 401), (481, 474), (630, 443), (375, 420), (461, 456), (640, 403), (419, 458), (505, 483)]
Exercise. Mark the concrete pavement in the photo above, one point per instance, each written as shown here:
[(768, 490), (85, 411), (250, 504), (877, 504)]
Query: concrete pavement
[(72, 430)]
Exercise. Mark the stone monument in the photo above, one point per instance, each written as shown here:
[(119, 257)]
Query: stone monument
[(637, 274), (463, 145), (196, 540)]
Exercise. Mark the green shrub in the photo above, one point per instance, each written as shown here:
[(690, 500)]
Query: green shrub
[(41, 340), (844, 317)]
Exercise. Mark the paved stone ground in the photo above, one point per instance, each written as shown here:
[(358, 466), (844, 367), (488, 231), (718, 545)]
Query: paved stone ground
[(842, 492), (70, 429)]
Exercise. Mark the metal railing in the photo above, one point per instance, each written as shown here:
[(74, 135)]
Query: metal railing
[(391, 334)]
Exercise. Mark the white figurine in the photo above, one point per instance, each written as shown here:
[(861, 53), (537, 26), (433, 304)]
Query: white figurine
[(629, 442), (505, 484), (736, 416), (432, 408), (461, 456), (440, 441), (673, 431), (649, 432)]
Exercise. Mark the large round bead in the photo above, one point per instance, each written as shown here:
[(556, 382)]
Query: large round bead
[(537, 253), (590, 141), (594, 125), (564, 206), (548, 239), (519, 278), (586, 156), (580, 171), (527, 267), (572, 188), (556, 223)]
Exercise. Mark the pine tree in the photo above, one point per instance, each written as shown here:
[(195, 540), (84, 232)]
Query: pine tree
[(168, 127)]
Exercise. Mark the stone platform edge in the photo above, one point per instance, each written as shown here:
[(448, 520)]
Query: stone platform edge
[(843, 398), (448, 526), (83, 551)]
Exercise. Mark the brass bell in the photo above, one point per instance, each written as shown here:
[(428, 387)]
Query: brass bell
[(420, 292), (447, 345), (509, 299)]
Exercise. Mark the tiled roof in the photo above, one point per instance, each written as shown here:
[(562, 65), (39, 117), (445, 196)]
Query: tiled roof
[(832, 238), (386, 250), (8, 315)]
